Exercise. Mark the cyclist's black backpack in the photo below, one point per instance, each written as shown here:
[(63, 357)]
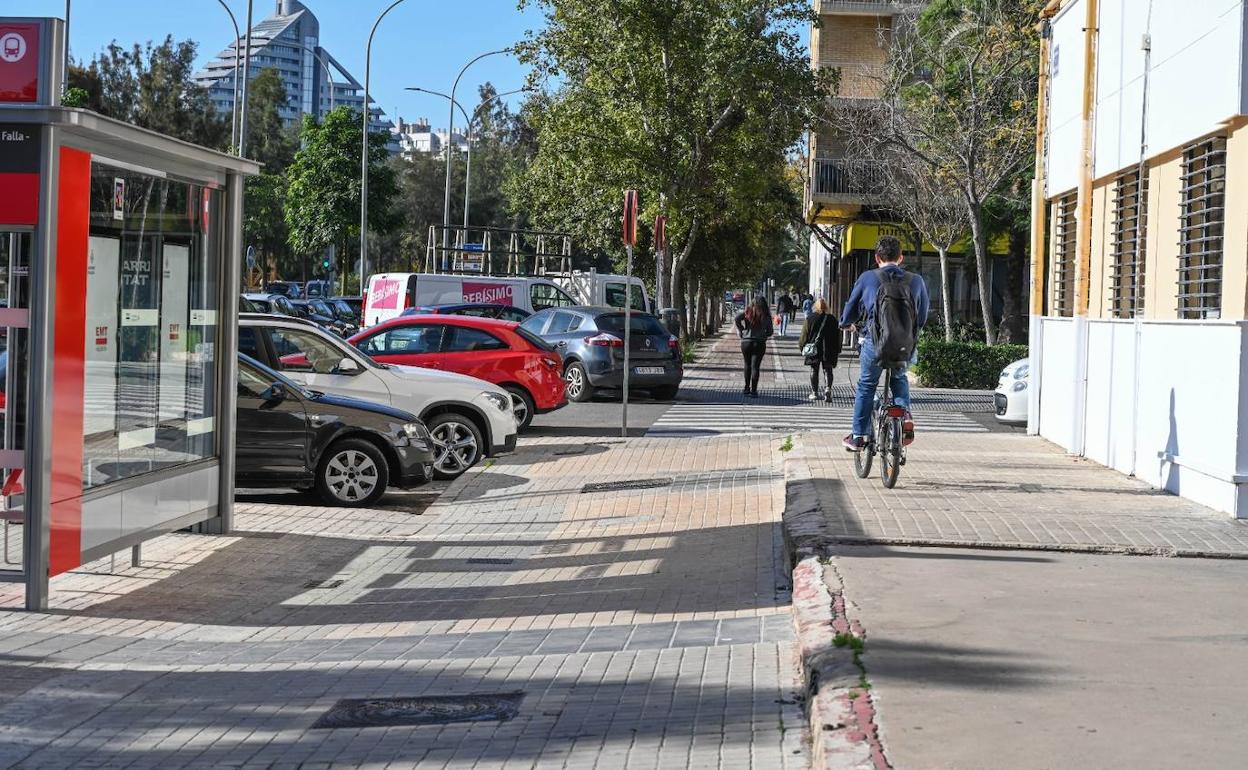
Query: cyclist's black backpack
[(894, 330)]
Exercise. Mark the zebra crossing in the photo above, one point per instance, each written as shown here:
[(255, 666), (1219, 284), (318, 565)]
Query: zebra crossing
[(691, 420)]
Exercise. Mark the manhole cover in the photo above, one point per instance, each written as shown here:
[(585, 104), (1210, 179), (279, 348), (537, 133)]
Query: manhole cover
[(322, 584), (426, 710), (491, 561), (618, 486)]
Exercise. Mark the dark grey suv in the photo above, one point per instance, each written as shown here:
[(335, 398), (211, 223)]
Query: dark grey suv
[(591, 342)]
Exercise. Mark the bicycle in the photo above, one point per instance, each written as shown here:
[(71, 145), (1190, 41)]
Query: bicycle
[(886, 439)]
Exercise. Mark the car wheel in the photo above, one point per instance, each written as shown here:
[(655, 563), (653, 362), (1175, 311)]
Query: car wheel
[(577, 383), (665, 393), (456, 444), (353, 473), (522, 406)]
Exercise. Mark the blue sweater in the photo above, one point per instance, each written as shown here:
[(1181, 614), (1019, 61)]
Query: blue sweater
[(861, 303)]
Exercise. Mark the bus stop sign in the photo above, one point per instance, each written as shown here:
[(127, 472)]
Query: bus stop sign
[(19, 63)]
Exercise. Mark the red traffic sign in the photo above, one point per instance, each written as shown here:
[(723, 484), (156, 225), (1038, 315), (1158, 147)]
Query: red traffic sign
[(630, 217)]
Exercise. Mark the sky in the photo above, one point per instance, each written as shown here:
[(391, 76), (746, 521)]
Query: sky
[(420, 43)]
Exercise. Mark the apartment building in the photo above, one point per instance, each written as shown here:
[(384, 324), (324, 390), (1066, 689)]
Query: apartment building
[(1139, 337), (844, 194)]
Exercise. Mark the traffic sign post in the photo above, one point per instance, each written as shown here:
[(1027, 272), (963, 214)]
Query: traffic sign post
[(630, 240)]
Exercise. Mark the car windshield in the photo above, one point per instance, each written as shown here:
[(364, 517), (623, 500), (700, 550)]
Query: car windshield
[(320, 307), (343, 310), (262, 305), (247, 306), (641, 323)]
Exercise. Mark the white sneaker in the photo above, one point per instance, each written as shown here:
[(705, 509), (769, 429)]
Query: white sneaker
[(813, 397)]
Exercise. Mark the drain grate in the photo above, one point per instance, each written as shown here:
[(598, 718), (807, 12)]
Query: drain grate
[(425, 710), (323, 584), (483, 560), (619, 486)]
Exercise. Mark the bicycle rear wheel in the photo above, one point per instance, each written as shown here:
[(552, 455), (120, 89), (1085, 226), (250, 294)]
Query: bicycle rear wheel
[(890, 452), (862, 460)]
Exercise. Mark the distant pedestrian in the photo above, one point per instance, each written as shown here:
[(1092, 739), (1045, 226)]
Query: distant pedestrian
[(807, 304), (794, 303), (754, 326), (820, 344), (784, 307)]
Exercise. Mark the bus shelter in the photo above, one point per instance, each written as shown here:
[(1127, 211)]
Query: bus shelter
[(119, 268)]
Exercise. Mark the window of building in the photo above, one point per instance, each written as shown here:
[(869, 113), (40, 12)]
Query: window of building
[(1062, 280), (151, 325), (1203, 193), (1126, 279)]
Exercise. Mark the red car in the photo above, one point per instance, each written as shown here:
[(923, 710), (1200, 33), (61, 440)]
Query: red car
[(495, 351)]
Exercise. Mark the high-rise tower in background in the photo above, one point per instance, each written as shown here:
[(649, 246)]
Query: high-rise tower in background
[(289, 41)]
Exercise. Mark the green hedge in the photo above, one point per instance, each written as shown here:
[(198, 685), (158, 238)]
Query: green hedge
[(971, 365)]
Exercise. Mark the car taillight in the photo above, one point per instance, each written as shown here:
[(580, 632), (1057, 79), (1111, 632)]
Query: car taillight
[(604, 340), (673, 342)]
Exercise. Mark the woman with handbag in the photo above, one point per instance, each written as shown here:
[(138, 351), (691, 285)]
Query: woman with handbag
[(754, 326), (820, 344)]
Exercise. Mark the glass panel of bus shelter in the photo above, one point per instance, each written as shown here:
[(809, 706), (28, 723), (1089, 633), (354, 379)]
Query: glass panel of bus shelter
[(15, 250)]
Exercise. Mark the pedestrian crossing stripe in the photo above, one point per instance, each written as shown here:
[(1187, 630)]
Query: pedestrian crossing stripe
[(703, 419)]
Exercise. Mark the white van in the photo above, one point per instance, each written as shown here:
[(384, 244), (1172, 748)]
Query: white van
[(604, 289), (389, 294)]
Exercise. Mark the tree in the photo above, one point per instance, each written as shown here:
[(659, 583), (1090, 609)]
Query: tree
[(931, 204), (150, 86), (268, 138), (959, 97), (692, 103), (273, 144), (323, 201)]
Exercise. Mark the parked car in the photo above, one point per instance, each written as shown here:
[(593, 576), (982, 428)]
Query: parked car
[(1010, 399), (495, 351), (319, 312), (590, 287), (319, 288), (590, 341), (288, 289), (478, 309), (273, 303), (348, 450), (389, 294), (247, 306), (357, 306), (468, 418)]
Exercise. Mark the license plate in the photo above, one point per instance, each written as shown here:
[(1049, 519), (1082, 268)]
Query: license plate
[(648, 370)]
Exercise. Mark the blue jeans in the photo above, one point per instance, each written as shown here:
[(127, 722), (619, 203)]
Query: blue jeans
[(868, 381)]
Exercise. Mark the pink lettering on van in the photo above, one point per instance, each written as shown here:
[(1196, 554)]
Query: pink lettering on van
[(488, 293), (385, 294)]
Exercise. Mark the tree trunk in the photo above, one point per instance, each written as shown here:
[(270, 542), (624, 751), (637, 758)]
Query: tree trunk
[(1013, 326), (979, 238), (676, 299), (946, 294), (700, 314)]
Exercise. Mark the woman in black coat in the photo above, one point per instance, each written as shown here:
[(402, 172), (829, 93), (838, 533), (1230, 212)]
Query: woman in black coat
[(822, 334)]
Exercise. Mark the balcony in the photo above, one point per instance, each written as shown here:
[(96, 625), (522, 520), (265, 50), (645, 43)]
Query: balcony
[(840, 187), (866, 7)]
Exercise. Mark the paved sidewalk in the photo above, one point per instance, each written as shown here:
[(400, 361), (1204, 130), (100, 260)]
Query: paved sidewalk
[(644, 624), (1009, 490)]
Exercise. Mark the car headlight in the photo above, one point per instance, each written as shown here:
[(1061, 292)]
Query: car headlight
[(1020, 385), (417, 434), (1022, 372), (500, 402)]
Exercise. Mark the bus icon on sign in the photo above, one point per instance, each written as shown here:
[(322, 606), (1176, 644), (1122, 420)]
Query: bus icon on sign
[(12, 47)]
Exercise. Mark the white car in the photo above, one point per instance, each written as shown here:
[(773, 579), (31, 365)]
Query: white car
[(467, 418), (1010, 400)]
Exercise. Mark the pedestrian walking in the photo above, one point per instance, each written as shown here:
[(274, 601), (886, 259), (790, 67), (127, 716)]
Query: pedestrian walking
[(807, 304), (820, 344), (794, 304), (784, 306), (754, 326)]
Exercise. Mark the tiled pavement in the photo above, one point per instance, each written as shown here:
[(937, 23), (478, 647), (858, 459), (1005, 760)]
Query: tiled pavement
[(646, 626)]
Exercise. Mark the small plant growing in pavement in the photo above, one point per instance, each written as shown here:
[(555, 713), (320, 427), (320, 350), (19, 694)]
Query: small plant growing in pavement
[(787, 446)]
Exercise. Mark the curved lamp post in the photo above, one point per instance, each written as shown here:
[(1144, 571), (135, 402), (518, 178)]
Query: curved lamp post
[(234, 111), (450, 133), (367, 114)]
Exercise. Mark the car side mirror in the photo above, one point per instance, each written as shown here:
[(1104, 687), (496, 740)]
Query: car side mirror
[(347, 365), (274, 394)]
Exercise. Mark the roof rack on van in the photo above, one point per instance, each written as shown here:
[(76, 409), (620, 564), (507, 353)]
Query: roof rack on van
[(481, 251)]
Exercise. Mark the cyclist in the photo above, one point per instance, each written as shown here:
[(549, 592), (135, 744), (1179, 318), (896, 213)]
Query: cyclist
[(861, 306)]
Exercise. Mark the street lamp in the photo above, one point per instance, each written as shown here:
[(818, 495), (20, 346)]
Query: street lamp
[(368, 63), (450, 132), (468, 135), (234, 110), (242, 112)]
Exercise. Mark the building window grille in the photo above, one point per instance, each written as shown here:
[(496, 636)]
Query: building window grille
[(1126, 279), (1201, 229), (1063, 278)]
